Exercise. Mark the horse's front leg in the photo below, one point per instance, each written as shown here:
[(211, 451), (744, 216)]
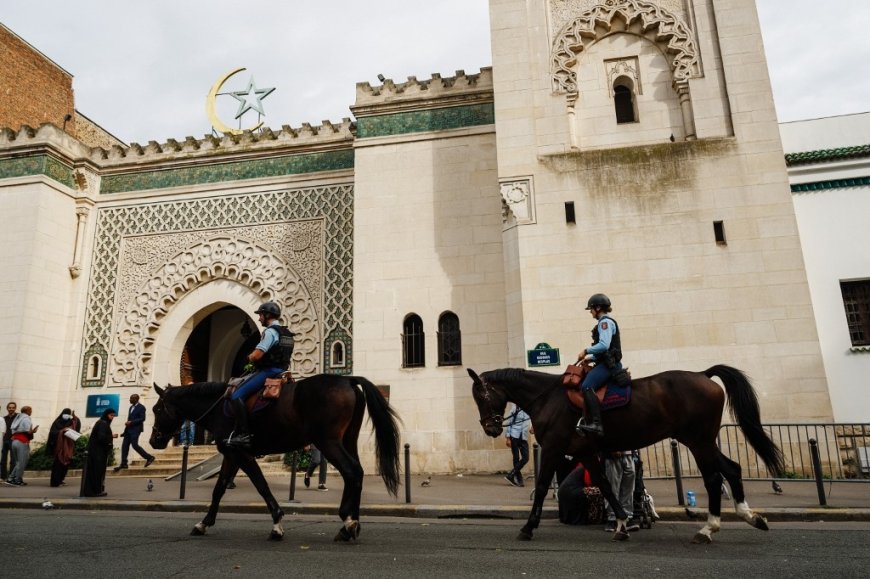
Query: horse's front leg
[(228, 471), (252, 469), (542, 486)]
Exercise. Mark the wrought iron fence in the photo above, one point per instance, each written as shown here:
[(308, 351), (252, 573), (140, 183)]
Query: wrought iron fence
[(844, 452)]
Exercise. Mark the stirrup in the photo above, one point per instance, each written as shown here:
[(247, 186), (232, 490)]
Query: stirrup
[(594, 428)]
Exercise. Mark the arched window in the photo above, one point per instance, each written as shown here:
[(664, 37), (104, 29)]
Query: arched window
[(413, 342), (623, 101), (95, 367), (449, 340), (336, 359)]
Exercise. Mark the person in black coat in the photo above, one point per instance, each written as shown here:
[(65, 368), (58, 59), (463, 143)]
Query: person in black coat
[(99, 450), (61, 447)]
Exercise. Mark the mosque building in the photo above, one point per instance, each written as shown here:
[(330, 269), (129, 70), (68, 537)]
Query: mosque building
[(629, 147)]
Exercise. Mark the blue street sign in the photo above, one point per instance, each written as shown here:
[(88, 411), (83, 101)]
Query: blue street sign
[(543, 355), (98, 403)]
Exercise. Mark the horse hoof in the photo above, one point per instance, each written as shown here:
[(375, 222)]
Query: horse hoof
[(275, 536), (343, 535), (760, 522), (197, 532), (524, 536), (621, 535), (701, 539)]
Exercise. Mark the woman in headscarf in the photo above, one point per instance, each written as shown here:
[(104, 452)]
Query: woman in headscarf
[(99, 449), (60, 446)]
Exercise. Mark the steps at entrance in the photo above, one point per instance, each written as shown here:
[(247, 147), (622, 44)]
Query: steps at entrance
[(168, 462)]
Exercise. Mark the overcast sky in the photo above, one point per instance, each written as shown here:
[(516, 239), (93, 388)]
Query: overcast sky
[(142, 69)]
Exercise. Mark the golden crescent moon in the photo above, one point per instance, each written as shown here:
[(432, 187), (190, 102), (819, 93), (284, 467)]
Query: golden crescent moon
[(210, 106)]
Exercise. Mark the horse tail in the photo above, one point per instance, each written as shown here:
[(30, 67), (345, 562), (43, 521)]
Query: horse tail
[(385, 422), (743, 405)]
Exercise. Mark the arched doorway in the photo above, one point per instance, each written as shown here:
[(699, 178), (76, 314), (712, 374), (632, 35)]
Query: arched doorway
[(217, 350)]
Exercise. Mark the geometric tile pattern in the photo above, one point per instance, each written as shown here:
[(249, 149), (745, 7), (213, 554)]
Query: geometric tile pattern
[(37, 165), (831, 184), (332, 203), (425, 120)]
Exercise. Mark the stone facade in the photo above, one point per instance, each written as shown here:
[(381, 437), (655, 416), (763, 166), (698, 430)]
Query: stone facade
[(444, 199)]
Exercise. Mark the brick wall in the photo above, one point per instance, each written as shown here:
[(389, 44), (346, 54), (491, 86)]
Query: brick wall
[(33, 89)]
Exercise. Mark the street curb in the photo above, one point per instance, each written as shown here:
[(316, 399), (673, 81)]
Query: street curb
[(817, 514)]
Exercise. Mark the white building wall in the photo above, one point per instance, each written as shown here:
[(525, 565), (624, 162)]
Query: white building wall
[(835, 237), (427, 239), (645, 213)]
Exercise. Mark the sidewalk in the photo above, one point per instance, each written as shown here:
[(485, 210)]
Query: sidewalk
[(457, 496)]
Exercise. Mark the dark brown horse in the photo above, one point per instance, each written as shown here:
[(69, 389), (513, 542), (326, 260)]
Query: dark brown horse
[(686, 406), (326, 410)]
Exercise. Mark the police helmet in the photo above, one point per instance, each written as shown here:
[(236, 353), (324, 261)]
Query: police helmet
[(270, 310), (598, 301)]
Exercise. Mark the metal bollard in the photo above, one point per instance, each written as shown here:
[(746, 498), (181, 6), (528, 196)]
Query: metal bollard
[(407, 473), (84, 472), (817, 471), (678, 474), (184, 451), (293, 471)]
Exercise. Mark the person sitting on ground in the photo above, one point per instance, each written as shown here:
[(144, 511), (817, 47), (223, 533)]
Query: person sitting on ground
[(271, 358)]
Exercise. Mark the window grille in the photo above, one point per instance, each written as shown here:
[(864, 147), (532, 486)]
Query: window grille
[(449, 340), (413, 342), (856, 301)]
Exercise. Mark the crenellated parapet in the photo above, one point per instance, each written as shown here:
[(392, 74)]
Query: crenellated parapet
[(50, 152), (415, 94), (307, 138)]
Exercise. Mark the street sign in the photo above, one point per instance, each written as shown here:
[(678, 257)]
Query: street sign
[(543, 355), (98, 403)]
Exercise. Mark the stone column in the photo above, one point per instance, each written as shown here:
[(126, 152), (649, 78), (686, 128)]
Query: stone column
[(81, 216), (682, 88)]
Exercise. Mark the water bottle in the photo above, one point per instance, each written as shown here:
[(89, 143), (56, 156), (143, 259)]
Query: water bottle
[(690, 498)]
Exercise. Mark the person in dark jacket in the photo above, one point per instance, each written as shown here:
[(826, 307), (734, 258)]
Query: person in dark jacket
[(99, 450), (60, 446)]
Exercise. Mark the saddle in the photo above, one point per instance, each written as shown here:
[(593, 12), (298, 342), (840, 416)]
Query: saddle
[(616, 393), (266, 396)]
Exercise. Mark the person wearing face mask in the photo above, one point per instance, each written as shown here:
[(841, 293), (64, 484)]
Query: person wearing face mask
[(61, 446)]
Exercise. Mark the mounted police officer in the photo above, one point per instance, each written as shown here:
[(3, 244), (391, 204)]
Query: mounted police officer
[(270, 358), (606, 352)]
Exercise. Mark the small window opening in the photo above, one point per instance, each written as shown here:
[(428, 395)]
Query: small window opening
[(337, 357), (413, 342), (570, 217), (449, 340), (719, 232), (95, 367), (624, 102)]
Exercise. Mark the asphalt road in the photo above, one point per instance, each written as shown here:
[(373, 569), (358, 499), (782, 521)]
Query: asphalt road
[(115, 544)]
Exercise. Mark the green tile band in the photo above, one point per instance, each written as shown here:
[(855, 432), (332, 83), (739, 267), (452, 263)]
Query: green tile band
[(428, 120), (37, 165), (831, 184), (827, 155), (233, 171)]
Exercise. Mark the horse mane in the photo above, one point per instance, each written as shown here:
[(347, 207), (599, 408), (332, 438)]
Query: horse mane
[(513, 375), (199, 390)]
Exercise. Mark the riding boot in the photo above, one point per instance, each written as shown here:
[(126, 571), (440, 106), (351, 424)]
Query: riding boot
[(241, 437), (591, 422)]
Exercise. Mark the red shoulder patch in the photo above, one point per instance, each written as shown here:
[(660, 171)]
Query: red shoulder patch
[(603, 325)]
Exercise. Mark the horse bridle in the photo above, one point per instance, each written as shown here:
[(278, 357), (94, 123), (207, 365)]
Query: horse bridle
[(495, 419), (204, 414)]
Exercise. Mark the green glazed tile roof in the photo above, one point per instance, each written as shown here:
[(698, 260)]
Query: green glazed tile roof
[(830, 184), (827, 155)]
